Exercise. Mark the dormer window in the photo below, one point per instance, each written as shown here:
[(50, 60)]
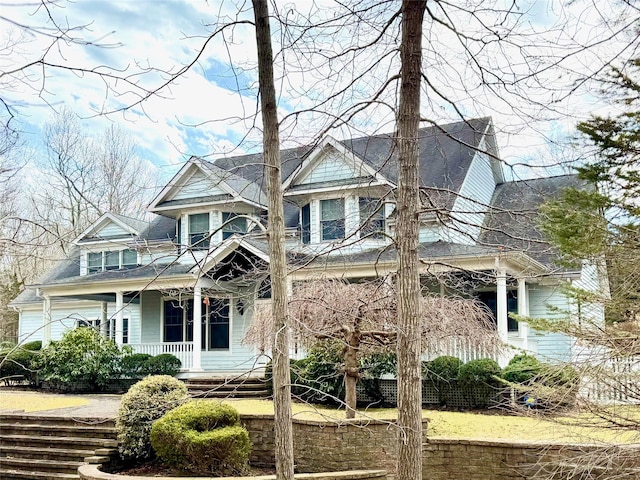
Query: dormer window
[(111, 260), (233, 225), (371, 217), (332, 219), (199, 231)]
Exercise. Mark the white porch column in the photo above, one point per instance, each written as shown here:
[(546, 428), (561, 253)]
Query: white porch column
[(501, 304), (119, 317), (46, 321), (197, 329), (501, 311), (523, 310), (104, 320)]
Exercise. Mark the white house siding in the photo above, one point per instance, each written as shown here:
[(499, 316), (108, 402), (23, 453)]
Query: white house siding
[(195, 186), (590, 281), (111, 230), (331, 167), (429, 233), (471, 204), (150, 325), (543, 299), (64, 316)]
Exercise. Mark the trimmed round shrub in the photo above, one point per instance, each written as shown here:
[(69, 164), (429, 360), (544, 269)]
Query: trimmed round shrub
[(444, 369), (145, 402), (202, 437), (522, 369), (481, 371), (32, 346), (136, 365), (164, 364)]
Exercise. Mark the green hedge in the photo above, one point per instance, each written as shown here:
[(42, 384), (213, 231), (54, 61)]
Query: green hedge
[(17, 362), (202, 437)]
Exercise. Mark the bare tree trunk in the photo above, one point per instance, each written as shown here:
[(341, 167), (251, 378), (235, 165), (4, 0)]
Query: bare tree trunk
[(409, 380), (275, 233), (351, 373)]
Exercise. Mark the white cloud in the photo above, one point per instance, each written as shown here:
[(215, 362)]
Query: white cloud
[(200, 113)]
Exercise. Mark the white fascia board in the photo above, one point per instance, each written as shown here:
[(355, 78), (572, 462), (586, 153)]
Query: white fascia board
[(173, 183), (107, 286), (102, 221), (222, 251), (341, 188), (351, 157)]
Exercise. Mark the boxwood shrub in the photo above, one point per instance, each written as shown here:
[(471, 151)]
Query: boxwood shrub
[(164, 364), (202, 437)]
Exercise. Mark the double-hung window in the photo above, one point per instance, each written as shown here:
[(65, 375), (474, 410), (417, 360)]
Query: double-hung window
[(233, 225), (94, 262), (199, 231), (111, 260), (178, 320), (332, 219), (371, 217)]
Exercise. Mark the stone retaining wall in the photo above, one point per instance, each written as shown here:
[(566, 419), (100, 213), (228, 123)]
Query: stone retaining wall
[(445, 459), (329, 445)]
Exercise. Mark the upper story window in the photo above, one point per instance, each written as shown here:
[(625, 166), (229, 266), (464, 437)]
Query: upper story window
[(111, 260), (332, 219), (233, 225), (199, 231), (305, 223), (371, 217)]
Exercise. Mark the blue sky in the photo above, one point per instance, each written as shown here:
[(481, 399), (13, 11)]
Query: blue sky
[(211, 109)]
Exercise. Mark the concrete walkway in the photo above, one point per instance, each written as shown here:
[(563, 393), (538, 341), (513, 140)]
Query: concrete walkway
[(98, 406)]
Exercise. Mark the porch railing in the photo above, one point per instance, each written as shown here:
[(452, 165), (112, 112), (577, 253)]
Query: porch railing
[(182, 350), (465, 349)]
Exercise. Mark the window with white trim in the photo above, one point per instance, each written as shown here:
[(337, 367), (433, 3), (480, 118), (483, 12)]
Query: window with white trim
[(332, 216), (233, 225), (199, 231), (371, 217), (178, 320), (111, 260)]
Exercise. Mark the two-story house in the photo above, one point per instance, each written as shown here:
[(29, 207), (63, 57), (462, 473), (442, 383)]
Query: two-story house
[(187, 282)]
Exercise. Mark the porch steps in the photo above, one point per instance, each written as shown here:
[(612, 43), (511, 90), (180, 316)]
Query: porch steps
[(220, 387), (51, 448)]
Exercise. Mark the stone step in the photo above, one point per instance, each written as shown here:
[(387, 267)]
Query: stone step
[(46, 453), (8, 474), (62, 421), (227, 386), (42, 466), (78, 443), (229, 394), (77, 430), (224, 381)]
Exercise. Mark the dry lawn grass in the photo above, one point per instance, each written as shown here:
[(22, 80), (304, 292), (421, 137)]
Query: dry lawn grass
[(492, 424), (441, 423), (37, 402)]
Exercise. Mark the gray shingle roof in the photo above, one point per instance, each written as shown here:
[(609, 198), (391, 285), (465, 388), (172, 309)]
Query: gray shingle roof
[(513, 220)]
